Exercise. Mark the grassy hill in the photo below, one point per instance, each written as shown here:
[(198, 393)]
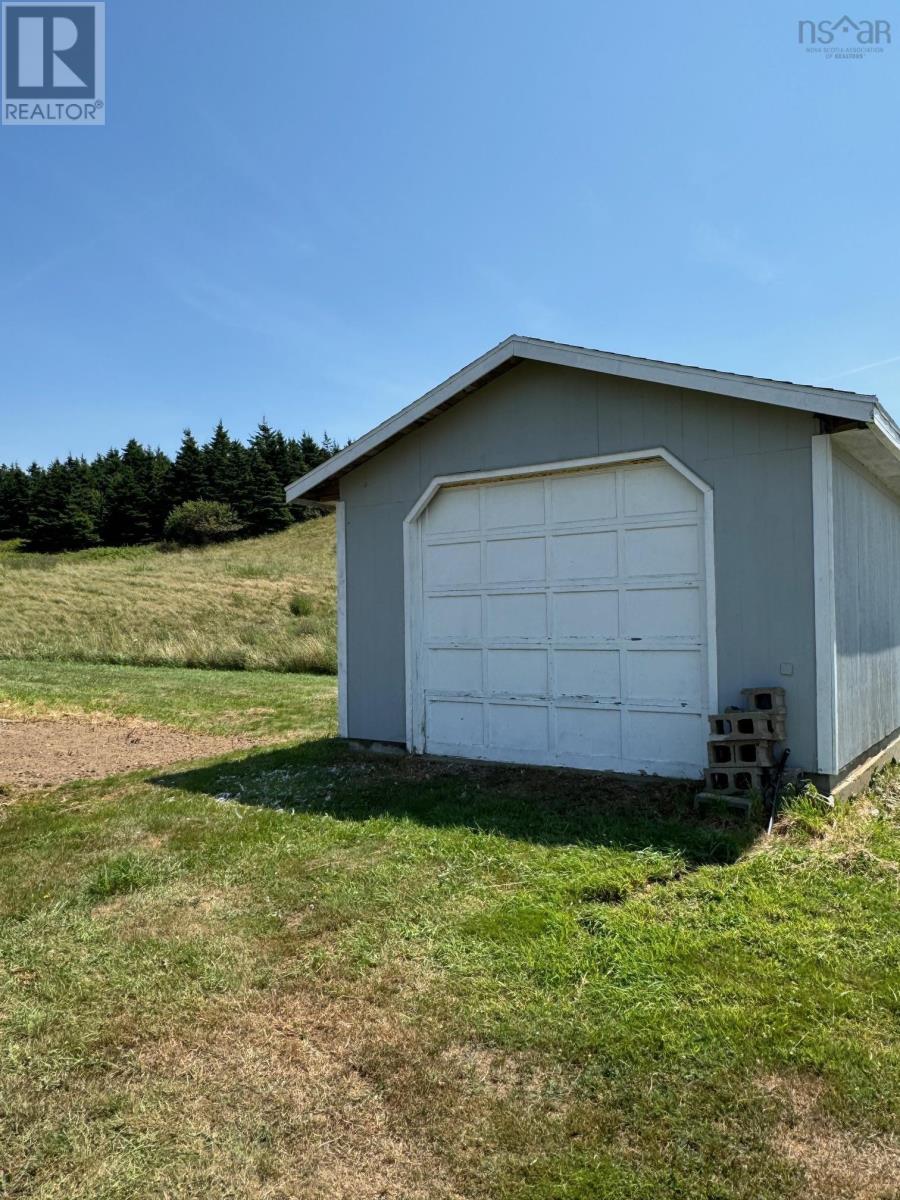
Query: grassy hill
[(263, 604)]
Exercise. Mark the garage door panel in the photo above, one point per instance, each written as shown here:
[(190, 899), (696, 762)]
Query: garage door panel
[(667, 676), (665, 737), (663, 613), (583, 497), (589, 733), (455, 723), (564, 621), (456, 617), (507, 505), (515, 560), (662, 550), (452, 670), (593, 673), (516, 672), (585, 614), (520, 727), (454, 510), (657, 489), (584, 556), (517, 615), (453, 564)]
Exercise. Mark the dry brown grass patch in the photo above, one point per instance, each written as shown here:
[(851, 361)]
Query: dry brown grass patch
[(527, 1078), (276, 1099), (838, 1165), (177, 911), (299, 1096)]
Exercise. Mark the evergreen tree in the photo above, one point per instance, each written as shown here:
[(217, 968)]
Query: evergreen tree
[(126, 517), (15, 491), (138, 458), (218, 466), (295, 463), (263, 508), (48, 504), (239, 458), (188, 476), (104, 468), (307, 454), (272, 448), (313, 454), (136, 479), (65, 507), (126, 496), (159, 491)]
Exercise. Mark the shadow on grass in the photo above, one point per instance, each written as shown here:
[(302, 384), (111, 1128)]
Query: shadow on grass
[(533, 804)]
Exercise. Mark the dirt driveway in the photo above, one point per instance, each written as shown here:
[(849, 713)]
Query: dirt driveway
[(41, 752)]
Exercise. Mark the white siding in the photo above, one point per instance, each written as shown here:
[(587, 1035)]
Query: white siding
[(867, 609)]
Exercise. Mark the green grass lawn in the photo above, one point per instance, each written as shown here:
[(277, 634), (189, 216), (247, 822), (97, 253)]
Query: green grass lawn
[(262, 604), (307, 973), (253, 703)]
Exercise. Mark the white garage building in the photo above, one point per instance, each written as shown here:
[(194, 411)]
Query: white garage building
[(565, 556)]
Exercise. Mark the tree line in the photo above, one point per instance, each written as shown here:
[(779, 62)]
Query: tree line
[(124, 497)]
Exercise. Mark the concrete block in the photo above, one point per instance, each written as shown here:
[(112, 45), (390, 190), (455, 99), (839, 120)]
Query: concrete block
[(739, 803), (740, 752), (735, 780), (758, 726), (768, 699)]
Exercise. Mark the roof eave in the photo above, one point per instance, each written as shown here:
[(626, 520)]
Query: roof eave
[(876, 447)]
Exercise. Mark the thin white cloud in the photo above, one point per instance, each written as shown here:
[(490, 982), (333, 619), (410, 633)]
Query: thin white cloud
[(118, 223), (883, 362), (245, 307)]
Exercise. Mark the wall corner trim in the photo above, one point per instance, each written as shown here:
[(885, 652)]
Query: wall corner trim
[(826, 632), (340, 509)]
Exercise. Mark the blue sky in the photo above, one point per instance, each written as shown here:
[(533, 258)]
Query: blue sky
[(315, 211)]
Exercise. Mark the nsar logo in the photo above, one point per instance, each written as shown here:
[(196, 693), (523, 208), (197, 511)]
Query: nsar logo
[(844, 38)]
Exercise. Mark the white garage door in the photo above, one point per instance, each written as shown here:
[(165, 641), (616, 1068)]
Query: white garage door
[(563, 621)]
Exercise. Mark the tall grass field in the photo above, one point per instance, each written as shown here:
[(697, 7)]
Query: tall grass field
[(262, 604)]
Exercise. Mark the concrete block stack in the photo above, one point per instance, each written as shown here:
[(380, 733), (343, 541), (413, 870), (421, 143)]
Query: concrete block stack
[(742, 743)]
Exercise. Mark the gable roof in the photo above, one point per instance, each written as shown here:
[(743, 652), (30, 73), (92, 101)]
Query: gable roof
[(321, 484)]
